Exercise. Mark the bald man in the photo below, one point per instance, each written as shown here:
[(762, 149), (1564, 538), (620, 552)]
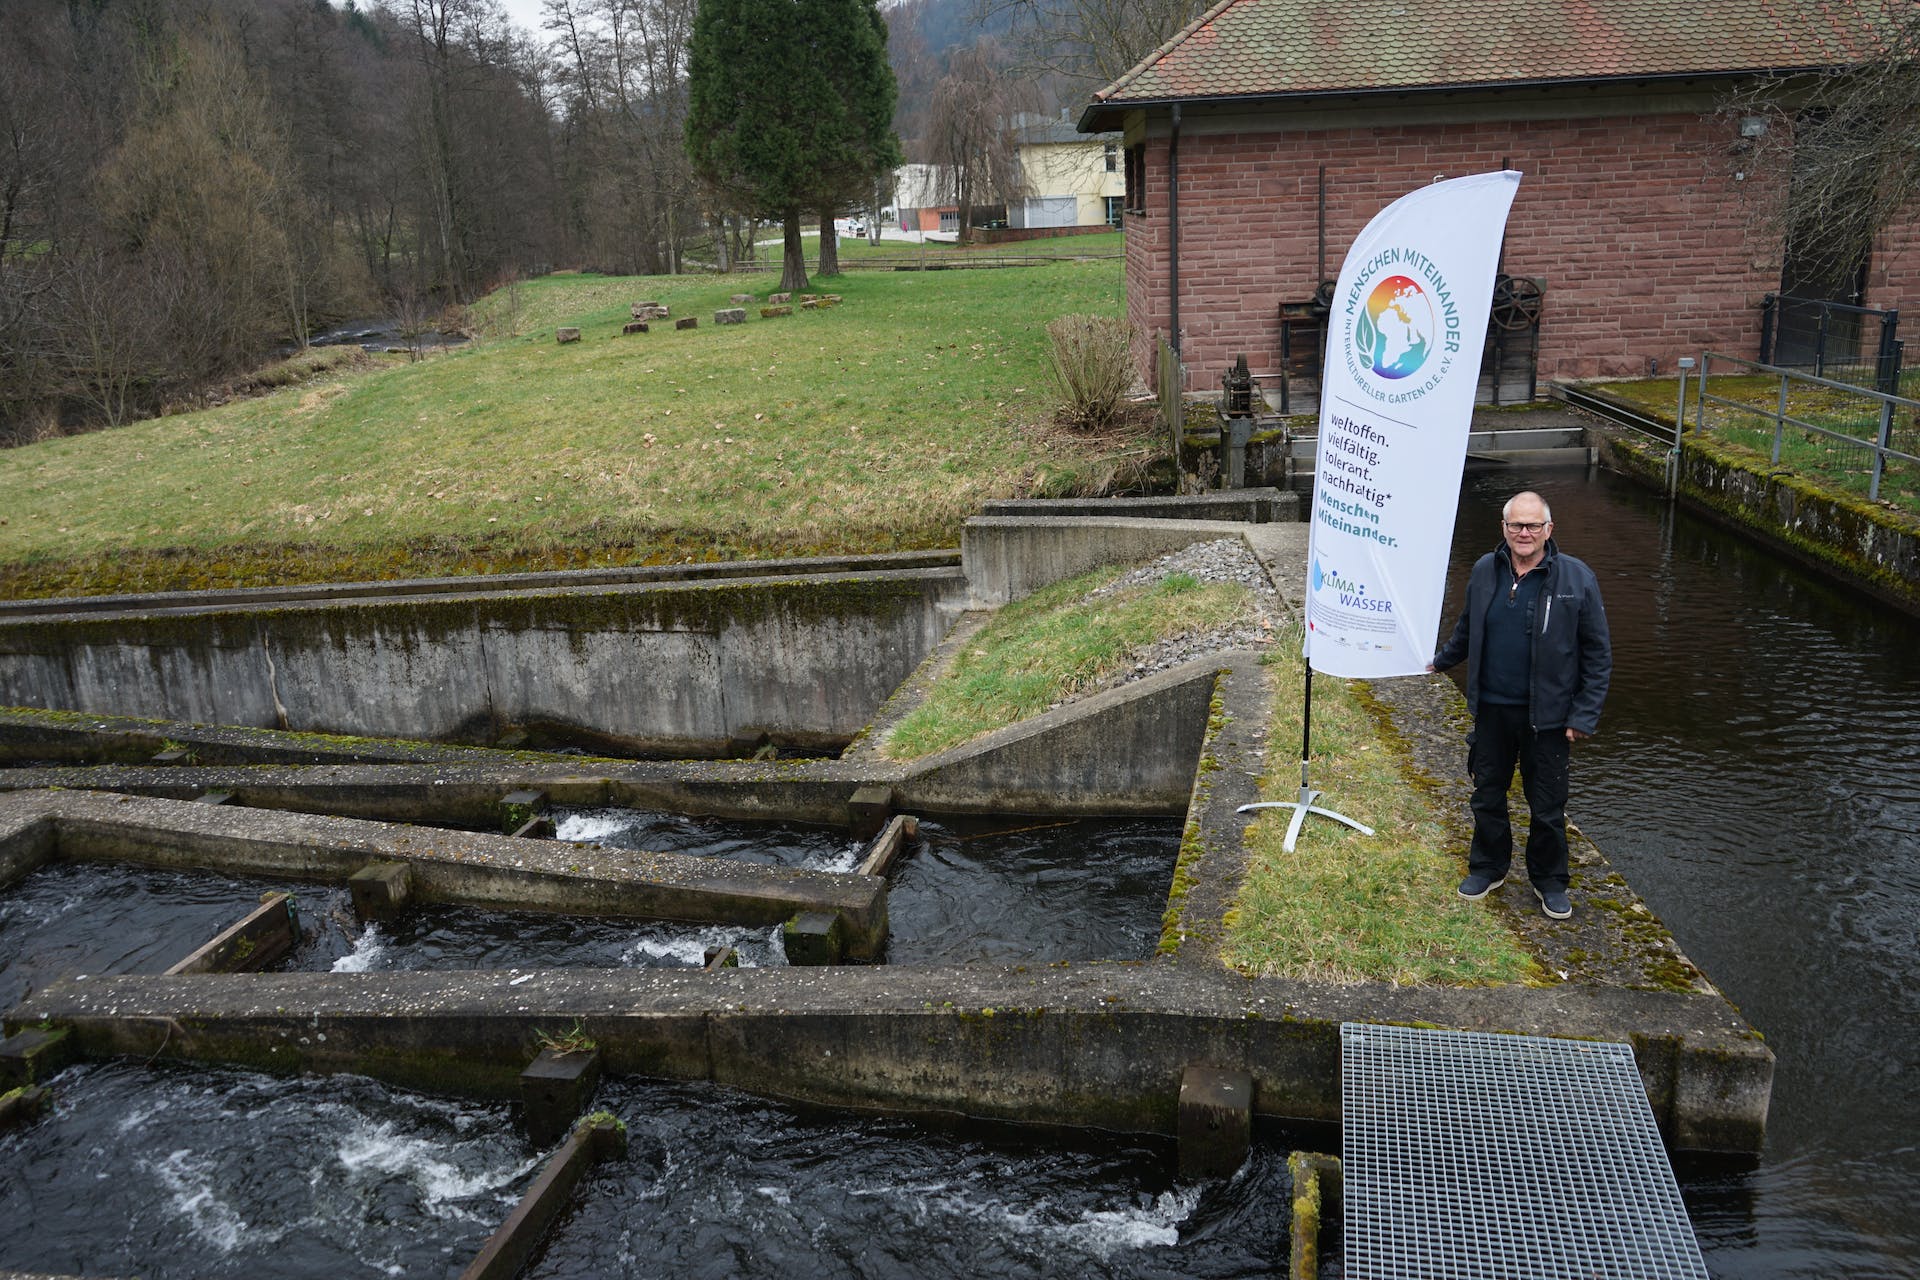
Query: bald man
[(1534, 636)]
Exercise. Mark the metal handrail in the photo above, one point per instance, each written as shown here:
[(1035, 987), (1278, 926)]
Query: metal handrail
[(1882, 449)]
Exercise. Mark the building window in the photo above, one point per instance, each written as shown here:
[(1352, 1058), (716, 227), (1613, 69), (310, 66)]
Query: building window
[(1113, 157), (1113, 211), (1137, 178)]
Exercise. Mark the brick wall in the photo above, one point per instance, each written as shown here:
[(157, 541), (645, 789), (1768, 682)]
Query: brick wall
[(1893, 280), (1631, 223)]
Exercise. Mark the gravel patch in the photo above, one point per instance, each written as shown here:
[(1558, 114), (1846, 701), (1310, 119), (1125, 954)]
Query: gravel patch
[(1223, 560)]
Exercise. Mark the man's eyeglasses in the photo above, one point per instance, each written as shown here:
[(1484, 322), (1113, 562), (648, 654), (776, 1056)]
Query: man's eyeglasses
[(1526, 526)]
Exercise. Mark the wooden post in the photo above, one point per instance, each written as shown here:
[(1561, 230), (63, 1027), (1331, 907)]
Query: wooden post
[(887, 845), (260, 939)]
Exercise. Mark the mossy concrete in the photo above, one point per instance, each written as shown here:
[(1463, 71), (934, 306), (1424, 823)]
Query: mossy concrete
[(637, 669), (1083, 1044), (1872, 548)]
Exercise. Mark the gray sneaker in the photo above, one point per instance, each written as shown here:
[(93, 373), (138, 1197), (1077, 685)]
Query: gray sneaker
[(1477, 886), (1554, 902)]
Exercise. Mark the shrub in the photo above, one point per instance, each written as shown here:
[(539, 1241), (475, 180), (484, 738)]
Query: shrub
[(1093, 365)]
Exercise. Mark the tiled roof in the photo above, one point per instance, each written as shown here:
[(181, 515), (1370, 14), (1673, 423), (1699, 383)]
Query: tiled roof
[(1263, 48)]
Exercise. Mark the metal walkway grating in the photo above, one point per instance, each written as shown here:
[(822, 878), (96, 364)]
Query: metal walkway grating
[(1489, 1157)]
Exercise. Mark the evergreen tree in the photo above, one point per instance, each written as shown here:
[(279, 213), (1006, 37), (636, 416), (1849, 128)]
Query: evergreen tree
[(790, 108)]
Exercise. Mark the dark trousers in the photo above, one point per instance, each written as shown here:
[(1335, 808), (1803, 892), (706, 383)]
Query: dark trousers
[(1501, 738)]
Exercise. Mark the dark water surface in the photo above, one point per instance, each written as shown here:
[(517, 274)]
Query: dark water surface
[(968, 890), (719, 1186), (72, 918), (209, 1172), (1757, 779)]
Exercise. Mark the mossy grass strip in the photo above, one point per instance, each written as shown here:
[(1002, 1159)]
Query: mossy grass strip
[(1053, 644), (1344, 907), (1833, 466)]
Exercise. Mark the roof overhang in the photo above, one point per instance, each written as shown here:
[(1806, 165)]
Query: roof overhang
[(1107, 116)]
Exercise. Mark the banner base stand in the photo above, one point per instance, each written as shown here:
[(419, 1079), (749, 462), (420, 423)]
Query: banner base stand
[(1301, 808)]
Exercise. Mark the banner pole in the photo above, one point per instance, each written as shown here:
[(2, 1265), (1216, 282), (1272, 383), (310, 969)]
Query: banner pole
[(1305, 804)]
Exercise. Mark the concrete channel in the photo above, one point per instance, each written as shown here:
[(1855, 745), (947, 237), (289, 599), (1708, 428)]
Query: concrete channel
[(808, 656)]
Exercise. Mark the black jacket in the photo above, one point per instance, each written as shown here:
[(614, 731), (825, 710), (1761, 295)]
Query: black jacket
[(1572, 654)]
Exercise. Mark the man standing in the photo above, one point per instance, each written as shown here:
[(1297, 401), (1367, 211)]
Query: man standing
[(1534, 635)]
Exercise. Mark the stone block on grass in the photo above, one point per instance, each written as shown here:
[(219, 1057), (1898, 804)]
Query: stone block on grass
[(634, 326), (566, 334), (730, 315), (774, 313), (687, 322)]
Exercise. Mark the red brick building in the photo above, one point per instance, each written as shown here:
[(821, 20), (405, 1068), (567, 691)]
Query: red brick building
[(1635, 214)]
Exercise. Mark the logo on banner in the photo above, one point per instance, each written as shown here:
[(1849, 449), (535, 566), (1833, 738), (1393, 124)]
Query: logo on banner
[(1395, 332), (1403, 326), (1351, 594)]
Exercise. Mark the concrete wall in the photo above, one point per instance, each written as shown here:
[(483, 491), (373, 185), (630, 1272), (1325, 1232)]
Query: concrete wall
[(1084, 1044), (458, 867), (1007, 557), (1861, 543), (677, 669)]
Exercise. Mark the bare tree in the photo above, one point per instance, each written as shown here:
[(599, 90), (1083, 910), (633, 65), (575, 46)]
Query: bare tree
[(1834, 157), (968, 135), (1089, 42)]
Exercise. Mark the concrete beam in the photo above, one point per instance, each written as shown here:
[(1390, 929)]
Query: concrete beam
[(467, 868), (1250, 506), (1100, 1045), (1007, 557), (887, 845), (1317, 1187)]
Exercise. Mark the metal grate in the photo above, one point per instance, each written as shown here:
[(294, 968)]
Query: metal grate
[(1489, 1157)]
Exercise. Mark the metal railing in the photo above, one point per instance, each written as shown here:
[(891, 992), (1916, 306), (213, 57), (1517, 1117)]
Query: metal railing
[(1846, 435), (1837, 340)]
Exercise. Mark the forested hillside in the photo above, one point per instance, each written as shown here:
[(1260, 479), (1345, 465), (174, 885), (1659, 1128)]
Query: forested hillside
[(188, 185)]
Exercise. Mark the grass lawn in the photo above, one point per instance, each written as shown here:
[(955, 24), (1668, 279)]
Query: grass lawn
[(1344, 907), (878, 424)]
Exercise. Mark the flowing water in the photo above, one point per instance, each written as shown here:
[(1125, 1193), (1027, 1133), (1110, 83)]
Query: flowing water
[(212, 1173), (720, 1186), (1757, 779)]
